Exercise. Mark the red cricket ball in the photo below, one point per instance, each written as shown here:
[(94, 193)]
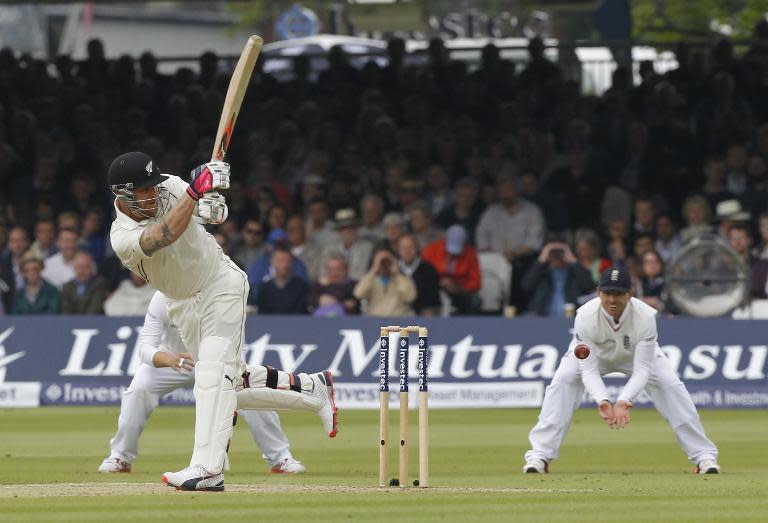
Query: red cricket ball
[(581, 351)]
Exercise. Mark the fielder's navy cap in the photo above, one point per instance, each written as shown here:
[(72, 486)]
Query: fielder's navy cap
[(615, 279)]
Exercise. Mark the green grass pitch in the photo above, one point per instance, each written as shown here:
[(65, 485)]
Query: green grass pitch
[(637, 474)]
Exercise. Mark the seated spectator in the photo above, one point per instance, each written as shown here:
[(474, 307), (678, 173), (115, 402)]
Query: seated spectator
[(420, 219), (86, 293), (394, 227), (44, 245), (696, 212), (668, 241), (94, 239), (35, 296), (618, 236), (371, 214), (423, 274), (458, 268), (333, 294), (131, 298), (307, 253), (282, 292), (762, 249), (252, 244), (276, 217), (320, 229), (465, 209), (556, 279), (262, 268), (10, 265), (643, 243), (439, 194), (714, 187), (355, 249), (728, 213), (740, 240), (650, 284), (513, 227), (644, 214), (588, 248), (59, 268), (386, 291)]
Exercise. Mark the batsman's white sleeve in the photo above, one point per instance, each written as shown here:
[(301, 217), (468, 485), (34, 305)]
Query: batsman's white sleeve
[(155, 324)]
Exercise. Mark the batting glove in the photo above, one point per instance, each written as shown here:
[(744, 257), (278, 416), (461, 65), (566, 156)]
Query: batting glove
[(207, 178), (212, 208)]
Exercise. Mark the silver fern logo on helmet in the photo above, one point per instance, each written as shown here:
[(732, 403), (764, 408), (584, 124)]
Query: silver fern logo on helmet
[(148, 168)]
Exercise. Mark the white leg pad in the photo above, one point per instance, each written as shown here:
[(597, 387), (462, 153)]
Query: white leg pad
[(215, 402), (263, 398)]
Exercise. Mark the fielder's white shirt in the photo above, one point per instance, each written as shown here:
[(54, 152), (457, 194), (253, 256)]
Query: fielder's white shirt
[(157, 333), (628, 345), (180, 270)]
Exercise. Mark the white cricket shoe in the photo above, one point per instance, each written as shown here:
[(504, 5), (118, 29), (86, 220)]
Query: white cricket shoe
[(536, 466), (289, 466), (708, 466), (114, 465), (322, 390), (194, 478)]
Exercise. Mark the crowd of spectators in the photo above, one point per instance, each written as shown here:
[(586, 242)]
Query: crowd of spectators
[(380, 190)]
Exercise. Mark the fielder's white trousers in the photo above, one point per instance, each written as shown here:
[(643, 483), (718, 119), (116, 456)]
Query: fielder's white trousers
[(670, 397), (142, 396)]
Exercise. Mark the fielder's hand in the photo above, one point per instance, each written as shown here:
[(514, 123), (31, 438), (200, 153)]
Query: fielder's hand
[(212, 208), (181, 363), (621, 414), (605, 409), (207, 178)]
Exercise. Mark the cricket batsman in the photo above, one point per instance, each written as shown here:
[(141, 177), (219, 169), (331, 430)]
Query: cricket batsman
[(155, 236), (165, 366), (616, 333)]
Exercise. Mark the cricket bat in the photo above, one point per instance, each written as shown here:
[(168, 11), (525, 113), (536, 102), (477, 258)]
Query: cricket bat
[(238, 84)]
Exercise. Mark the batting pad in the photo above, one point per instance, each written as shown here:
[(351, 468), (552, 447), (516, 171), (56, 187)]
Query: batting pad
[(262, 398), (215, 402)]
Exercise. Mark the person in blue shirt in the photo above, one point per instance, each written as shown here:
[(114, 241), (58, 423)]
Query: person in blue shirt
[(262, 269)]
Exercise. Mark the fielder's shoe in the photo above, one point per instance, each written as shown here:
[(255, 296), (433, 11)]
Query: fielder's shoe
[(289, 466), (323, 391), (536, 466), (194, 478), (113, 465), (708, 466)]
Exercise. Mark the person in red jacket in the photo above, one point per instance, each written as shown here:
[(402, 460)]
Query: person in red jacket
[(459, 269)]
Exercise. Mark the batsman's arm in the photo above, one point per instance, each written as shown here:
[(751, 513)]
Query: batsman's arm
[(169, 228)]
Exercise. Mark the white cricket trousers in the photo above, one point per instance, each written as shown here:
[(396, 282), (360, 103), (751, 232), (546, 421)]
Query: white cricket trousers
[(670, 397), (211, 324), (143, 395)]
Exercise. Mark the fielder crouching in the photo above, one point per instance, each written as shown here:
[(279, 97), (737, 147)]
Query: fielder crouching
[(620, 333), (155, 236)]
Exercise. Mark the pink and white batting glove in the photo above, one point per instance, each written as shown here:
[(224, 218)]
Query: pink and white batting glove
[(207, 178)]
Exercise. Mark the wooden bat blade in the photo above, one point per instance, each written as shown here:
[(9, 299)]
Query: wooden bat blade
[(238, 85)]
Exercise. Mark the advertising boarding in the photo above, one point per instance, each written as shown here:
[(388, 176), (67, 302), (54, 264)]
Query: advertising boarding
[(484, 362)]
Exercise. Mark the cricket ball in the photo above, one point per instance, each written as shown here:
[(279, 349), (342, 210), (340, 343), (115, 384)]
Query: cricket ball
[(581, 351)]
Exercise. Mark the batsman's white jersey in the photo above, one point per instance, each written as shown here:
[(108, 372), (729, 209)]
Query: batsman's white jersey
[(206, 294), (629, 346), (150, 384), (180, 270)]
